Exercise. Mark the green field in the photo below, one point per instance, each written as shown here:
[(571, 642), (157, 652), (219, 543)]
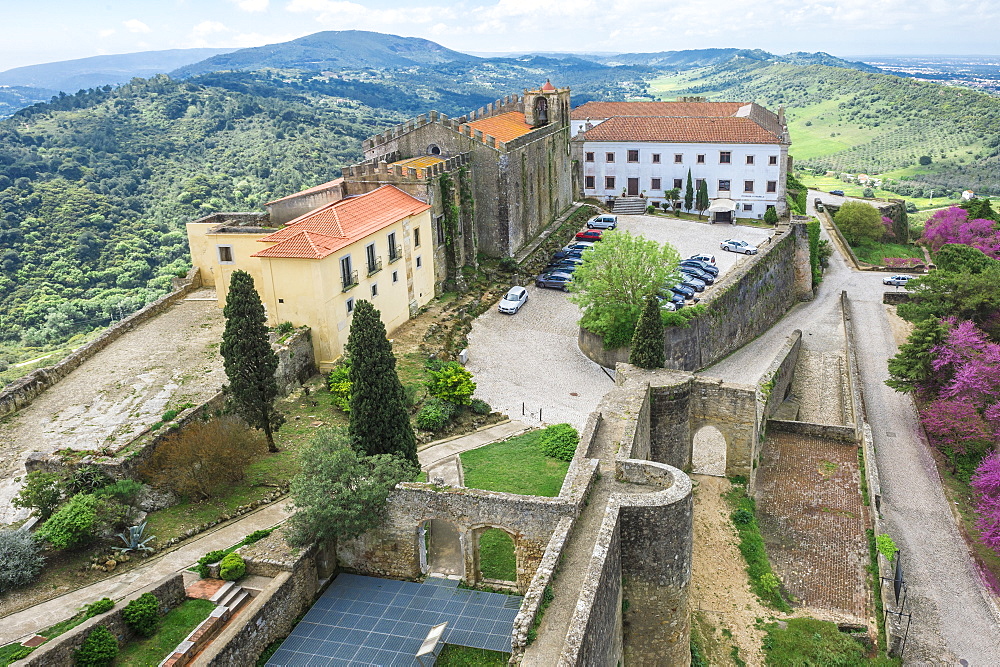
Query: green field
[(516, 465), (827, 183)]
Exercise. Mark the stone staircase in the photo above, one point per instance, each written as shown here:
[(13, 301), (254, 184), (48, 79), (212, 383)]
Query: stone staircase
[(231, 595), (629, 206), (229, 598)]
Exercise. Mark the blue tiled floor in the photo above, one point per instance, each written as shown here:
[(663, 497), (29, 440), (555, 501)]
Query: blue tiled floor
[(368, 621)]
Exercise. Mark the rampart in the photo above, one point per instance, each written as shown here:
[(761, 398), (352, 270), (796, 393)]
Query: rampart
[(743, 305)]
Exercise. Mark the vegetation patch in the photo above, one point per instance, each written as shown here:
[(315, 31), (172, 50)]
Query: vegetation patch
[(807, 641), (515, 465), (176, 625), (496, 555), (464, 656), (763, 581), (876, 253)]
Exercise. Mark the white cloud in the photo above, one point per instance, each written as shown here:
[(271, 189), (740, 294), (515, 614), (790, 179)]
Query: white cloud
[(351, 15), (106, 33), (252, 5), (135, 25)]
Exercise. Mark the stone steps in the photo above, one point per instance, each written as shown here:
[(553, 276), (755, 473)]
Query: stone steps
[(629, 206)]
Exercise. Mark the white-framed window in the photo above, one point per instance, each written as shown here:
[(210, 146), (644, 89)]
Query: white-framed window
[(416, 237), (679, 183), (588, 156), (654, 184), (350, 305), (678, 158), (633, 156), (772, 160), (772, 186), (609, 157), (609, 182), (656, 158), (225, 254), (747, 208), (698, 182), (749, 159), (589, 182), (725, 157), (700, 159), (724, 185), (747, 186)]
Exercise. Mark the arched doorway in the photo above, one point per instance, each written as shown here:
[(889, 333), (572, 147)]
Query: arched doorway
[(440, 545), (434, 149), (708, 452), (497, 557), (541, 111)]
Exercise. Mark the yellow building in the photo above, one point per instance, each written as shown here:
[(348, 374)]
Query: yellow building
[(376, 246)]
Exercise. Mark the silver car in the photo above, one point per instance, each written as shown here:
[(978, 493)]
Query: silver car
[(603, 222), (513, 300), (899, 280)]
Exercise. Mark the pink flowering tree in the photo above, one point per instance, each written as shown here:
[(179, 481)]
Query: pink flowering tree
[(968, 366), (887, 223), (956, 428), (986, 482), (952, 225)]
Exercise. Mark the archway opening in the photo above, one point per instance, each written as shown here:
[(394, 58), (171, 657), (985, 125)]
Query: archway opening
[(541, 111), (497, 556), (440, 545), (708, 452), (434, 149)]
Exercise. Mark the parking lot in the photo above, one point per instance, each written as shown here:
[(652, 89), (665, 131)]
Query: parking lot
[(532, 359)]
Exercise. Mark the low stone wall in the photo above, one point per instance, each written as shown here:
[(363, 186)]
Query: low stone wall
[(60, 651), (21, 392), (777, 378), (895, 298), (845, 434)]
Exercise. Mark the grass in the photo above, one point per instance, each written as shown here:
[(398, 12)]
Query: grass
[(807, 641), (874, 253), (463, 656), (175, 626), (762, 580), (827, 183), (496, 555), (516, 465), (12, 653)]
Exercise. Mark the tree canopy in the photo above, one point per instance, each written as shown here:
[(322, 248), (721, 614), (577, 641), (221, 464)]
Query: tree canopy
[(647, 342), (859, 222)]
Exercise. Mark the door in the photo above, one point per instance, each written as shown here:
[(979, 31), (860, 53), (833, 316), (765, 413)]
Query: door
[(633, 187), (723, 216)]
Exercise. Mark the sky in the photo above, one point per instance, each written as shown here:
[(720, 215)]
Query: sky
[(40, 31)]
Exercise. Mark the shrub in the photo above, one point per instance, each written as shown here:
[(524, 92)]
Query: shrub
[(508, 264), (232, 567), (42, 491), (74, 524), (169, 415), (452, 382), (868, 193), (859, 222), (284, 328), (87, 479), (142, 614), (559, 441), (742, 517), (339, 383), (257, 536), (124, 490), (99, 607), (480, 407), (99, 649), (20, 562), (886, 546), (208, 559), (771, 216), (435, 414)]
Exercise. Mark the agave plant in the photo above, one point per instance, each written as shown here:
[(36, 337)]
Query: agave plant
[(133, 539)]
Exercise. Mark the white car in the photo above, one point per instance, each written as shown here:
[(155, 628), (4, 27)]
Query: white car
[(603, 222), (513, 300), (897, 280), (733, 245), (704, 258)]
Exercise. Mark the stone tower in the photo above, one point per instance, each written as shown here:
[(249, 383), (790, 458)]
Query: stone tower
[(547, 105)]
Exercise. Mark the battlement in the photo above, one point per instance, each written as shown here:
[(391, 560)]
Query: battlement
[(383, 171)]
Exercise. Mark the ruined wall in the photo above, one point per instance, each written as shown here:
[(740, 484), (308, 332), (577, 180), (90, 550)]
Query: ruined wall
[(296, 359), (778, 377)]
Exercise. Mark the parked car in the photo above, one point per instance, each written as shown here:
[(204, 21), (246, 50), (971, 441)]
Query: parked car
[(555, 279), (677, 300), (710, 259), (513, 300), (603, 222), (579, 245), (687, 292), (703, 266), (563, 254), (687, 280), (897, 280), (667, 304), (735, 245), (839, 193), (703, 276), (589, 235), (567, 265)]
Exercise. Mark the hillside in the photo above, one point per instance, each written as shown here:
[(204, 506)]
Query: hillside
[(864, 122), (13, 98), (332, 50), (691, 58)]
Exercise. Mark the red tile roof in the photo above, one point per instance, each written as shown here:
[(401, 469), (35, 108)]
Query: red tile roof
[(339, 224), (548, 87), (682, 130), (597, 110), (504, 127)]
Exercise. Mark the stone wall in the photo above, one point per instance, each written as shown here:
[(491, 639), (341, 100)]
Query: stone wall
[(60, 651), (895, 298), (777, 379), (740, 307), (845, 434), (296, 360), (21, 392)]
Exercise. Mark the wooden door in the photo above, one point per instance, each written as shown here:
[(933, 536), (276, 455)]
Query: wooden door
[(633, 187)]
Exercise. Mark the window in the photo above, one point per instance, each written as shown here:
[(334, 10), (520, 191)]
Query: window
[(772, 160), (374, 263), (588, 156), (656, 158), (772, 186), (434, 149), (723, 185), (225, 254), (419, 262), (701, 159), (725, 157), (609, 157), (395, 252), (395, 276), (698, 182), (609, 182), (749, 159), (439, 226), (678, 158), (633, 156), (655, 184), (678, 183), (589, 182), (350, 306), (747, 207), (374, 290), (348, 277), (416, 237), (747, 186)]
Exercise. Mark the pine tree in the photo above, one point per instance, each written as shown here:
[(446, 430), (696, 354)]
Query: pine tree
[(379, 421), (647, 341), (249, 360), (689, 193), (771, 216), (702, 198)]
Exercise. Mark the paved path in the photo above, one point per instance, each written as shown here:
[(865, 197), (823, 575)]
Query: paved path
[(24, 623), (440, 459)]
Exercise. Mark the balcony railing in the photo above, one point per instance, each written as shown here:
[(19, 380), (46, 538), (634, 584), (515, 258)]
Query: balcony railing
[(374, 266), (395, 253), (349, 280)]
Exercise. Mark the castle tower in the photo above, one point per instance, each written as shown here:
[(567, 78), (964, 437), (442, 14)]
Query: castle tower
[(546, 105)]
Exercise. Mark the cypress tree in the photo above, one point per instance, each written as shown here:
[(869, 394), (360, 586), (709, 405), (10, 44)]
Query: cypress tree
[(647, 341), (379, 423), (248, 358), (689, 193), (702, 203)]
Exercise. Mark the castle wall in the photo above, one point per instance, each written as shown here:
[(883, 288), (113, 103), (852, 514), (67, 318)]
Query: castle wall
[(285, 210)]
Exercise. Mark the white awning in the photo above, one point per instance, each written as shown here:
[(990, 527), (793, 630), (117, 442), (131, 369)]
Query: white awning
[(722, 205)]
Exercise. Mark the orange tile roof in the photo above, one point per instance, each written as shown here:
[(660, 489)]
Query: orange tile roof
[(419, 162), (682, 130), (339, 224), (504, 127), (671, 109), (316, 188)]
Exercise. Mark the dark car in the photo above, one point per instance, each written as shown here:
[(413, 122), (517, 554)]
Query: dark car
[(687, 292), (589, 235), (839, 193), (563, 254), (703, 276), (554, 279), (704, 266), (565, 265), (692, 282)]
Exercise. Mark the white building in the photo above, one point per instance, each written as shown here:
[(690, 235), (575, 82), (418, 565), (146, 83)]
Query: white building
[(740, 149)]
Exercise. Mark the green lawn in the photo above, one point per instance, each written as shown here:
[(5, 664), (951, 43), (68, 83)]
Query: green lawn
[(496, 555), (515, 466), (175, 626), (874, 253), (463, 656), (827, 183), (807, 641)]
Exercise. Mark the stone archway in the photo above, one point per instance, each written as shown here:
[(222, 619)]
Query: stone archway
[(496, 555), (440, 544), (708, 452)]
